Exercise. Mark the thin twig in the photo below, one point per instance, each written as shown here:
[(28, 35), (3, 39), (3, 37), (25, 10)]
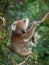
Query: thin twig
[(35, 23), (25, 60), (44, 18)]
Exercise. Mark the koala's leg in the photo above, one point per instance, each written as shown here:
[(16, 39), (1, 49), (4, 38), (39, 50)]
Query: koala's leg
[(30, 44)]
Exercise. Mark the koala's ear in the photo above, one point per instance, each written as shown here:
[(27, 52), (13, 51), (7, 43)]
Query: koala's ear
[(13, 27)]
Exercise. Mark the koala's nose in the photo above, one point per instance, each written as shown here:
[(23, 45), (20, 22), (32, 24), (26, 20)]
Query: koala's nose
[(25, 21), (23, 31)]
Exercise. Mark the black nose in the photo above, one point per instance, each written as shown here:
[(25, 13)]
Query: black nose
[(23, 31), (24, 21)]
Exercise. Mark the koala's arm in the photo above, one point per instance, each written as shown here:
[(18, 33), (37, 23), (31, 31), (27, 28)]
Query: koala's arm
[(30, 31), (32, 28)]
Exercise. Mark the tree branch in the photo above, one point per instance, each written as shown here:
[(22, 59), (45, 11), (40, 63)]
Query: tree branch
[(5, 10), (35, 23), (44, 18)]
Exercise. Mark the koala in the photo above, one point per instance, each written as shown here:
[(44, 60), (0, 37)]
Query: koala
[(20, 36)]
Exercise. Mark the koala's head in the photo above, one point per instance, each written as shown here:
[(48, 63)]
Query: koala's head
[(20, 27)]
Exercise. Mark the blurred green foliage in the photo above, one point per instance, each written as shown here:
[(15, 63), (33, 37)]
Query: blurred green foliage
[(34, 10)]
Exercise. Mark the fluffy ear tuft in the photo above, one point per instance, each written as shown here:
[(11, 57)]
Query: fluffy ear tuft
[(27, 23), (13, 27)]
